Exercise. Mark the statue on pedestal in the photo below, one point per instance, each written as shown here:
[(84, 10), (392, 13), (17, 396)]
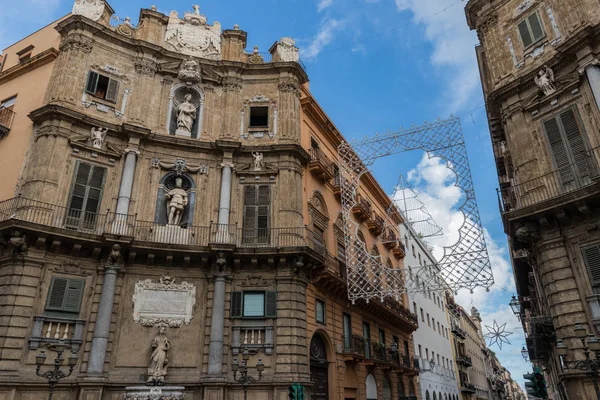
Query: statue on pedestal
[(157, 370), (178, 200), (258, 161), (545, 81), (98, 136), (186, 115)]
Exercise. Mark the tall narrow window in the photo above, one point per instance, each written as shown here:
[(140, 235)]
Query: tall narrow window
[(259, 117), (531, 30), (568, 149), (591, 256), (367, 337), (257, 205), (320, 312), (381, 336), (86, 194), (347, 329), (102, 87), (64, 297)]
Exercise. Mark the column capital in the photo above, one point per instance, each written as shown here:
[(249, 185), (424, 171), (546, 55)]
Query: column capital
[(586, 63), (111, 268), (131, 150), (227, 164)]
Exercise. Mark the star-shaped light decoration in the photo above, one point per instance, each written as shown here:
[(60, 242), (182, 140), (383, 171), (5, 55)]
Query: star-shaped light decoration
[(497, 335)]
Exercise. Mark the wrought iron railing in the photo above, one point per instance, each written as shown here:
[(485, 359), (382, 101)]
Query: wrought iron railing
[(317, 155), (551, 185), (354, 344), (7, 117)]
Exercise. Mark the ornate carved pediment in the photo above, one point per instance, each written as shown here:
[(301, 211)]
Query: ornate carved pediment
[(92, 9), (318, 212), (564, 84), (179, 166), (193, 36), (249, 169), (84, 142), (254, 280)]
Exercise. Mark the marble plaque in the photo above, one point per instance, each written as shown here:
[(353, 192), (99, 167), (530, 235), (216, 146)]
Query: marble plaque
[(163, 302)]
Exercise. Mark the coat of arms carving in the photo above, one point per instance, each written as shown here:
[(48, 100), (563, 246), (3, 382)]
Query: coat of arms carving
[(193, 36), (91, 9)]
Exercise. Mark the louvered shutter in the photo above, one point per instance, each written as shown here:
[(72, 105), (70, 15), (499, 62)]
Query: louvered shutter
[(537, 32), (249, 231), (341, 251), (56, 296), (271, 304), (73, 296), (92, 82), (263, 213), (576, 144), (236, 304), (559, 151), (525, 35), (591, 255), (112, 91), (86, 195)]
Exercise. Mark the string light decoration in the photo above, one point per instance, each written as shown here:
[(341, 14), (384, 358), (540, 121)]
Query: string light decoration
[(497, 335), (464, 265)]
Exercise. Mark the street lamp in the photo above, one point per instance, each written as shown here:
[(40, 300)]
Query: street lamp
[(56, 374), (242, 368), (590, 344), (515, 305), (525, 354)]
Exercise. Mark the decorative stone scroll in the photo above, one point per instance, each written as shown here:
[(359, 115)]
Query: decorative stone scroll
[(180, 166), (192, 35), (91, 9), (164, 303)]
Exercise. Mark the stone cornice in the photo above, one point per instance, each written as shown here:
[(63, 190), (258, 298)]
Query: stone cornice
[(45, 57), (79, 23)]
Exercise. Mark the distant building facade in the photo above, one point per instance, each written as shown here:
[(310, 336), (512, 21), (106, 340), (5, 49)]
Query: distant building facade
[(539, 65), (432, 341), (177, 212)]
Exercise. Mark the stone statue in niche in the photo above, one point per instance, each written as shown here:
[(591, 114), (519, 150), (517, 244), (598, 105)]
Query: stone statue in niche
[(545, 81), (259, 163), (186, 115), (157, 370), (98, 135), (178, 200)]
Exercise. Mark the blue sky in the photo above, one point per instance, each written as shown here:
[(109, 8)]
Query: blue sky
[(374, 65)]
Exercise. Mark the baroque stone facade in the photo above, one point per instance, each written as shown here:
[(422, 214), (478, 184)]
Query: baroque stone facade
[(540, 74), (175, 211)]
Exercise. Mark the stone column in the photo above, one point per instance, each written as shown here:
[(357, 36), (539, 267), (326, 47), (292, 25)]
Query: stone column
[(127, 181), (593, 74), (102, 327), (225, 199), (217, 322)]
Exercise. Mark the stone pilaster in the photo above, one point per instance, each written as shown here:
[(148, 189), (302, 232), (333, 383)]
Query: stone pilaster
[(215, 349), (593, 74), (291, 344), (290, 192), (143, 95), (232, 104), (289, 111), (97, 354), (127, 181), (225, 199)]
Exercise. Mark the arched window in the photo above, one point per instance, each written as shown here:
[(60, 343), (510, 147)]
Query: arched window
[(434, 396), (387, 390), (317, 210), (440, 395), (371, 385), (427, 396), (186, 111)]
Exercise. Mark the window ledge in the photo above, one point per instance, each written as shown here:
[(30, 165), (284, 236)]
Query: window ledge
[(252, 337), (51, 330)]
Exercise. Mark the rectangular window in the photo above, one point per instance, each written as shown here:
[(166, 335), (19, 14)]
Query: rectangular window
[(102, 87), (420, 351), (320, 312), (25, 54), (438, 359), (381, 336), (406, 349), (257, 206), (319, 239), (367, 337), (259, 117), (427, 353), (438, 325), (415, 307), (254, 304), (433, 321), (428, 320), (64, 297), (347, 328), (86, 195), (422, 315), (591, 257), (531, 30), (8, 103), (568, 149), (413, 251)]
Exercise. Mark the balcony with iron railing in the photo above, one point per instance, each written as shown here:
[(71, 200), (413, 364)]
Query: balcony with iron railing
[(362, 209), (464, 360), (576, 180), (375, 224), (7, 117), (44, 216), (467, 387), (458, 331), (320, 165)]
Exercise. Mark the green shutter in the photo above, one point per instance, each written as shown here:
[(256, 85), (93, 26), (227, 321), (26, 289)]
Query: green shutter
[(86, 194), (271, 304), (92, 82), (591, 255), (525, 35), (112, 92), (65, 295), (257, 206), (559, 150), (537, 32), (576, 143), (236, 304)]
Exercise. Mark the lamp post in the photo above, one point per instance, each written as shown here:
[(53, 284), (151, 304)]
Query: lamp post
[(55, 374), (525, 354), (242, 367), (515, 305), (590, 344)]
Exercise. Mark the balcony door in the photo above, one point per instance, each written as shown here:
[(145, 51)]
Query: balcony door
[(86, 195), (319, 368)]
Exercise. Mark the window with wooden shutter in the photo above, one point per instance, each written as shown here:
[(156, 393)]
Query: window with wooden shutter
[(591, 257), (236, 304), (102, 87), (531, 30), (257, 210), (86, 194), (320, 312), (271, 304), (568, 149), (64, 297)]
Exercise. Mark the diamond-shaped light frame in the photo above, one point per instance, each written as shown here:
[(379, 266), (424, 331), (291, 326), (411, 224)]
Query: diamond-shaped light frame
[(465, 265)]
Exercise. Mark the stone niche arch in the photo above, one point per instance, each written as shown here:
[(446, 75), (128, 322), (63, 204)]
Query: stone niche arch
[(167, 182), (177, 96)]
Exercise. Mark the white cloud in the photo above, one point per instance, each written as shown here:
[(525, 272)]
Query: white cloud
[(324, 37), (435, 185), (323, 4), (453, 48)]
